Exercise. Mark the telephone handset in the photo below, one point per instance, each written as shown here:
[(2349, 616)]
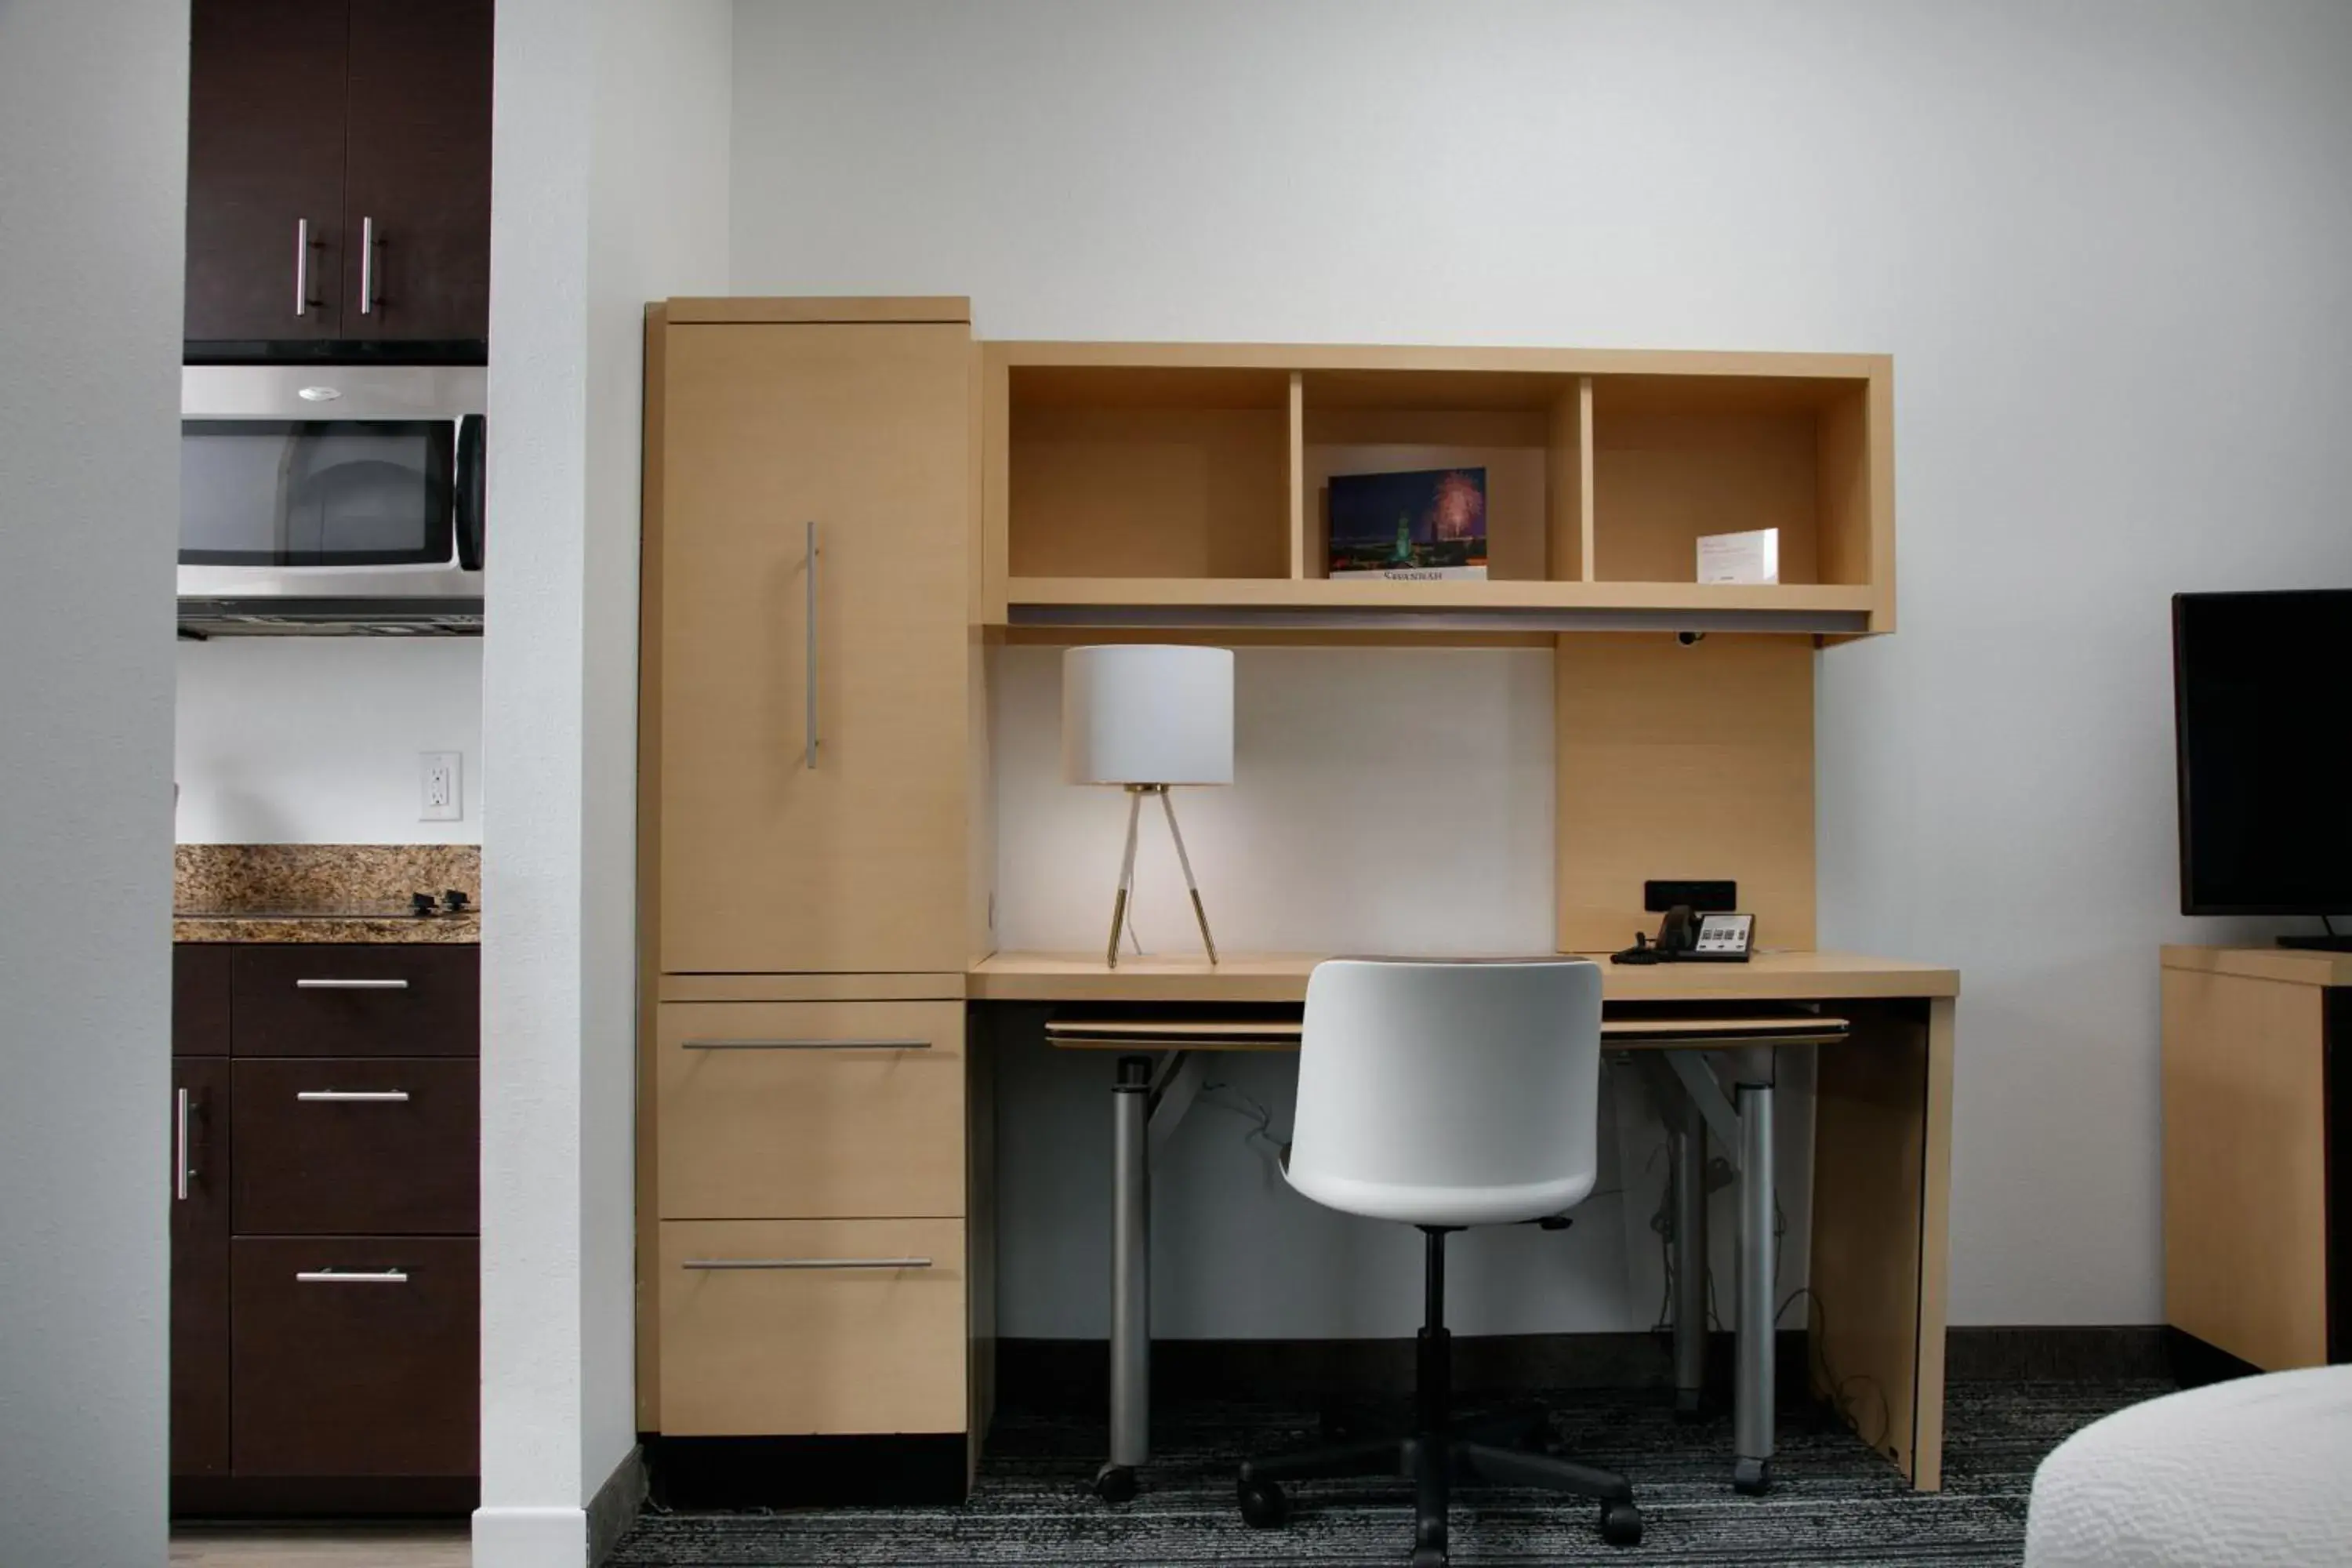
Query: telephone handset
[(1688, 937)]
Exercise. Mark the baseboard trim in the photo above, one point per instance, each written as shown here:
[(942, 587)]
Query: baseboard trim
[(531, 1537), (2055, 1354), (895, 1470), (616, 1505), (2194, 1363), (1075, 1375)]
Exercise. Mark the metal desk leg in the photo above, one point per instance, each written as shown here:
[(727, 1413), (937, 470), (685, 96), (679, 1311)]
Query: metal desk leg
[(1130, 1281), (1751, 1469), (1686, 1139)]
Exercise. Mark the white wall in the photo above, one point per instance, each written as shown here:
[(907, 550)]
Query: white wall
[(2105, 243), (1327, 833), (609, 150), (315, 741), (92, 157)]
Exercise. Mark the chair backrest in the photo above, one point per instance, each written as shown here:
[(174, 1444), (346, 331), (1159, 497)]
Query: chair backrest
[(1449, 1093)]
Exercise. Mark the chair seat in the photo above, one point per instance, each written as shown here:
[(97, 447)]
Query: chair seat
[(1443, 1205), (2250, 1471)]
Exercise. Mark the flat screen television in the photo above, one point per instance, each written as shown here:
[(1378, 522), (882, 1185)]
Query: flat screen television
[(2263, 726)]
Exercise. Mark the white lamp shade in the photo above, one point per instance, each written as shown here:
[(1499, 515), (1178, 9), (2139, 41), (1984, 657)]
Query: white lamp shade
[(1147, 713)]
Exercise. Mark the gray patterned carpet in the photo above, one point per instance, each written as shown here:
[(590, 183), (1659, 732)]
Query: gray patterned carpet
[(1835, 1502)]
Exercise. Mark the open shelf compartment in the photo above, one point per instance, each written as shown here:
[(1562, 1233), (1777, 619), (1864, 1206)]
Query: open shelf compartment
[(1148, 472), (1523, 431), (1676, 458), (1187, 486)]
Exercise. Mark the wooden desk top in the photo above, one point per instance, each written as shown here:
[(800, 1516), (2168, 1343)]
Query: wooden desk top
[(1282, 977), (2297, 966), (1286, 1033)]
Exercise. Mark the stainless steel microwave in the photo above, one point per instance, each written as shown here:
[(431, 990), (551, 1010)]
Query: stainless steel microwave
[(307, 488)]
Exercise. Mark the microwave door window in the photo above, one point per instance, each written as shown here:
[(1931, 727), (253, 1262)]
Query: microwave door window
[(316, 493)]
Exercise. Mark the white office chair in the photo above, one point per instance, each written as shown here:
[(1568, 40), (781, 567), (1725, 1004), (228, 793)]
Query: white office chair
[(1447, 1095)]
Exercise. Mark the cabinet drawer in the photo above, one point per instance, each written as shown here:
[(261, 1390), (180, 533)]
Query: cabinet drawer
[(325, 1000), (324, 1148), (369, 1371), (811, 1109), (789, 1328)]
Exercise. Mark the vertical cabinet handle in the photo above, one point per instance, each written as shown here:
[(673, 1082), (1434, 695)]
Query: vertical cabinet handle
[(811, 754), (301, 267), (367, 265), (182, 1170)]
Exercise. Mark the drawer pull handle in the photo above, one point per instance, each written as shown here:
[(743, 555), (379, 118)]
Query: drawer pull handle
[(808, 1044), (726, 1264), (352, 1276), (352, 1096), (350, 985)]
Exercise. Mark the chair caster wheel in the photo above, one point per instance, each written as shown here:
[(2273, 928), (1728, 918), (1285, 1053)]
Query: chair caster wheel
[(1429, 1557), (1751, 1477), (1620, 1524), (1115, 1483), (1263, 1506)]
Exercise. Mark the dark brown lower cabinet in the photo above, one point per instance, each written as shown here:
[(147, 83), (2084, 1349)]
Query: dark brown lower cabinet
[(200, 1241), (325, 1271), (355, 1357)]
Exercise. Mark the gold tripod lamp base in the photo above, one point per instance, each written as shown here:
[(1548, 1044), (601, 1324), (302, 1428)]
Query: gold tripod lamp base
[(1135, 794)]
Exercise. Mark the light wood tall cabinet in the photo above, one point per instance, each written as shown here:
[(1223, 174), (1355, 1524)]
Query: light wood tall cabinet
[(810, 721), (816, 495)]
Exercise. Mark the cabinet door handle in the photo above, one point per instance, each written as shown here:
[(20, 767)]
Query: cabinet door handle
[(352, 1276), (301, 267), (367, 265), (181, 1169), (350, 985), (811, 755), (807, 1046), (352, 1096), (736, 1265)]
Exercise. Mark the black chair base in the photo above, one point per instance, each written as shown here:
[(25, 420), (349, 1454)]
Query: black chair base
[(1434, 1466), (1505, 1449)]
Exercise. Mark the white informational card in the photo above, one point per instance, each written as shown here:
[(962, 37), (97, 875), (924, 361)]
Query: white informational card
[(1750, 557), (1422, 574)]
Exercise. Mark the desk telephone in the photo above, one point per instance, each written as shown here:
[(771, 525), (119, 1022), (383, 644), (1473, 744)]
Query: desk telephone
[(1688, 937)]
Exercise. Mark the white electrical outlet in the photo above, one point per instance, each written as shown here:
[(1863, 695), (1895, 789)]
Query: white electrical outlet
[(444, 786)]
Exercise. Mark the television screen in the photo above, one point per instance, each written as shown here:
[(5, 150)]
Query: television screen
[(2263, 723)]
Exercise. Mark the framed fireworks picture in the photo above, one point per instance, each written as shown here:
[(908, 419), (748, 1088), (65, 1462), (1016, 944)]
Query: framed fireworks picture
[(1429, 525)]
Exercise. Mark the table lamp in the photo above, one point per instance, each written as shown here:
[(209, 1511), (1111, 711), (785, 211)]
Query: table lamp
[(1147, 716)]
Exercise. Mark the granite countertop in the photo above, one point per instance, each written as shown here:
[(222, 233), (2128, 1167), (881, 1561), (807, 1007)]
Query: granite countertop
[(322, 892), (326, 928)]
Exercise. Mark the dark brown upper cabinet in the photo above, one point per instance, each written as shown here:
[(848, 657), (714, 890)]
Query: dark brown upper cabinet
[(339, 170), (266, 168), (416, 179)]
